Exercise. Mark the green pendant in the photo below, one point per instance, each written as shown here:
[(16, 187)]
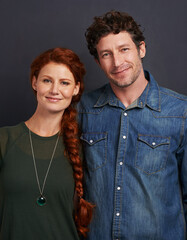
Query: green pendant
[(41, 201)]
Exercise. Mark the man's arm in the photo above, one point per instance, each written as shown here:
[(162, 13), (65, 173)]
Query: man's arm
[(182, 157)]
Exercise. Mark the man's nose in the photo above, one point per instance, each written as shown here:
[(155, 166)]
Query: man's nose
[(118, 59)]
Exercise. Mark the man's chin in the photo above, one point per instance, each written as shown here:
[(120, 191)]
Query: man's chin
[(121, 84)]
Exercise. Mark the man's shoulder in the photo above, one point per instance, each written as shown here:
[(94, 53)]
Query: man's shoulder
[(173, 102), (173, 95), (167, 101), (90, 98)]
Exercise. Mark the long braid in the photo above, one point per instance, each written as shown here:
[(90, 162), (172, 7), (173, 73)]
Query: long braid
[(83, 213)]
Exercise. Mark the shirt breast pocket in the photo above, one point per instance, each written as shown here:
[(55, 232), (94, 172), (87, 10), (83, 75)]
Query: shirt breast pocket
[(95, 149), (152, 153)]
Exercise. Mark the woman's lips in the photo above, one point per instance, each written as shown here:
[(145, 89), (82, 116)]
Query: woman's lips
[(52, 99)]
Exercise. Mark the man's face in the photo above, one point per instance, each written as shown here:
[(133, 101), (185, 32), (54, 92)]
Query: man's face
[(120, 59)]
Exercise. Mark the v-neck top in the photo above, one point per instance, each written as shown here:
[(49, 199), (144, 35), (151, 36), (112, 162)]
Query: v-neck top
[(20, 215)]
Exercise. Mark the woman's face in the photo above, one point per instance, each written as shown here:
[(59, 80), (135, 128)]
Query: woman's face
[(55, 87)]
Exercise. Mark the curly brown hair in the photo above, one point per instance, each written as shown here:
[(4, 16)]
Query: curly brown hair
[(112, 22), (69, 127)]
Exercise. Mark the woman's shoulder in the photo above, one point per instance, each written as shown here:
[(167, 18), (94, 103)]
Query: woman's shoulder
[(9, 131), (8, 136)]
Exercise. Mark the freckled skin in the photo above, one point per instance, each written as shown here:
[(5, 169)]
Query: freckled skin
[(55, 86)]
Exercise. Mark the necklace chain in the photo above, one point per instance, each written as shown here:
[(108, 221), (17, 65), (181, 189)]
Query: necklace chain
[(35, 168)]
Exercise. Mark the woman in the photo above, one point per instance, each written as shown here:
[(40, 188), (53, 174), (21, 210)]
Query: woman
[(40, 167)]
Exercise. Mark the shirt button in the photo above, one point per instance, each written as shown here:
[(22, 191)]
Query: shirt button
[(124, 137), (117, 214), (121, 163), (125, 114), (118, 188), (153, 143), (91, 141)]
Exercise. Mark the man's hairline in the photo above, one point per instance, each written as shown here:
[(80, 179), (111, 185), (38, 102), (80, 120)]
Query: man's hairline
[(131, 35)]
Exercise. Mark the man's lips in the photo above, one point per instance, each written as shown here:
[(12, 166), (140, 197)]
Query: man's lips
[(118, 71)]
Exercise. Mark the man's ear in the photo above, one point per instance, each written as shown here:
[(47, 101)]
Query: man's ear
[(142, 49), (97, 61)]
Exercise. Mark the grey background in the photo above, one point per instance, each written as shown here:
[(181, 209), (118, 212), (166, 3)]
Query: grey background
[(28, 28)]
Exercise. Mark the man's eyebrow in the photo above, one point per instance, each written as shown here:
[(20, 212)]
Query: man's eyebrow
[(105, 50), (120, 46)]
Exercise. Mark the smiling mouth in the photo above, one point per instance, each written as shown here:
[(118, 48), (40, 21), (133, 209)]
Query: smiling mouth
[(52, 99), (121, 71)]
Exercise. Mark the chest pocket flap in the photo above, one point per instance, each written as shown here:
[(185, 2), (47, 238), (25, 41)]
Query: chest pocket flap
[(152, 153), (95, 149), (154, 141), (92, 138)]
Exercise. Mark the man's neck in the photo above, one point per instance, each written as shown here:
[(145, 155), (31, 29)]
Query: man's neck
[(128, 95)]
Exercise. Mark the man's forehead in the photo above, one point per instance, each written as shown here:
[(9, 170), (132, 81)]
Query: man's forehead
[(114, 40)]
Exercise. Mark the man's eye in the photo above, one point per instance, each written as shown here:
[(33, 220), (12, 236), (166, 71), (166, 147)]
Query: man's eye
[(105, 55), (124, 49)]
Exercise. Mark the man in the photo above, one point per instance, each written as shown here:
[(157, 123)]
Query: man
[(135, 141)]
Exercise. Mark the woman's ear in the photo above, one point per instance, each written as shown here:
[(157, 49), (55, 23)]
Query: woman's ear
[(76, 89), (34, 85)]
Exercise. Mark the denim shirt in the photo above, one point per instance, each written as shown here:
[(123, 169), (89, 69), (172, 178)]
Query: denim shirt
[(136, 164)]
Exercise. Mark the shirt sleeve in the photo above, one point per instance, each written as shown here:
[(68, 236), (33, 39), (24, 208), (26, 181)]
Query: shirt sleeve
[(3, 144), (182, 157)]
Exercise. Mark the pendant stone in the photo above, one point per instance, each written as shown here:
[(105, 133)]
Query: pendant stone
[(41, 201)]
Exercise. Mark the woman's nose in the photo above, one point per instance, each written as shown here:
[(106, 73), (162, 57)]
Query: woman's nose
[(54, 88)]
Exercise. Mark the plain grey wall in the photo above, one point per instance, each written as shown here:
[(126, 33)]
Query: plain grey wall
[(28, 28)]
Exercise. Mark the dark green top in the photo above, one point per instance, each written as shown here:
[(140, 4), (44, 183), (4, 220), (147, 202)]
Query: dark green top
[(20, 216)]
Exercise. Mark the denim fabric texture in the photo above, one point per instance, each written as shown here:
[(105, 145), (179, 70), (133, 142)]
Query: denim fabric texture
[(136, 164)]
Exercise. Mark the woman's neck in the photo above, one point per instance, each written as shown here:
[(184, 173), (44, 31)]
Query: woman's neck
[(45, 125)]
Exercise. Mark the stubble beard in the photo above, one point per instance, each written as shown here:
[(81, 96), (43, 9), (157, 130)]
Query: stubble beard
[(122, 84), (125, 82)]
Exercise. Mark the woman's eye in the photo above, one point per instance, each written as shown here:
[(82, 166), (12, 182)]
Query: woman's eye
[(65, 83), (46, 80)]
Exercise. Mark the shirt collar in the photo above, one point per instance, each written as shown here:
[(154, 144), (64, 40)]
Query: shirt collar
[(107, 97), (151, 94), (149, 97)]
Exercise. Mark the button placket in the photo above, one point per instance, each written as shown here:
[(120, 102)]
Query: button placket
[(119, 175)]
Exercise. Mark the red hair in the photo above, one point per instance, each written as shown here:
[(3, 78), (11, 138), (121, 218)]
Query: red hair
[(69, 127)]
